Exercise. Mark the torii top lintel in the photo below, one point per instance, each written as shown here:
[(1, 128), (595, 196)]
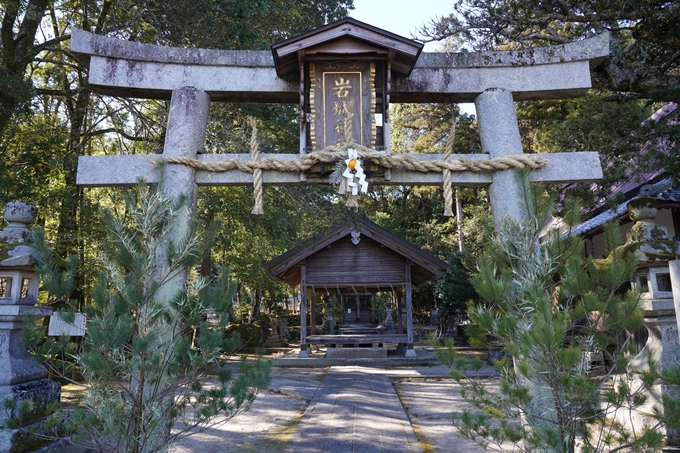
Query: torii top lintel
[(193, 78), (347, 38), (132, 69)]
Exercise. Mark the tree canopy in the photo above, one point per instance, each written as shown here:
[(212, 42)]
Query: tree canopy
[(643, 61), (641, 74), (49, 116)]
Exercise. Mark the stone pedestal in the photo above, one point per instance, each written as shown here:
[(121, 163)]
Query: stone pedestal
[(20, 438), (388, 323), (21, 378), (16, 363), (674, 273), (663, 348), (279, 331), (328, 327)]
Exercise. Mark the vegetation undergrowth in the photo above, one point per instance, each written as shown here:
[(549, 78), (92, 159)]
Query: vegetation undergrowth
[(155, 333), (566, 326)]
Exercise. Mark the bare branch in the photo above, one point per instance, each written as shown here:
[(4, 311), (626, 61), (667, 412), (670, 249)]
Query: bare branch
[(57, 62), (50, 44), (120, 132)]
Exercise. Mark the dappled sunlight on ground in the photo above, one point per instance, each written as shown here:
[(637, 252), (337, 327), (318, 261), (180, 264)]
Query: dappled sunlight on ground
[(267, 426), (270, 422), (426, 392), (428, 403)]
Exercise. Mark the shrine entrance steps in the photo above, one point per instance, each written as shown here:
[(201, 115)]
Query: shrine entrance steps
[(356, 353), (355, 409)]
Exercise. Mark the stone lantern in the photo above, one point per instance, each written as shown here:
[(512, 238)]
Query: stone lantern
[(21, 377), (654, 251), (18, 282), (345, 72)]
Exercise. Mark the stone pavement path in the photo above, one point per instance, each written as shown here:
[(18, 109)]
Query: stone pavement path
[(354, 410)]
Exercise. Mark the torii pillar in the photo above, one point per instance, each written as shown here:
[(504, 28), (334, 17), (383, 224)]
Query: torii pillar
[(187, 122), (499, 134)]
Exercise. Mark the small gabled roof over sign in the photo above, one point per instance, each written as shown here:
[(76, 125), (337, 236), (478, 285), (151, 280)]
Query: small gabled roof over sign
[(425, 266), (346, 38)]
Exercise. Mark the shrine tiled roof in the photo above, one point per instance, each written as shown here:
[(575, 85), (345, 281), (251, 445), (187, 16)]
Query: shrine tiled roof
[(672, 195), (668, 195), (600, 219), (665, 196), (651, 184)]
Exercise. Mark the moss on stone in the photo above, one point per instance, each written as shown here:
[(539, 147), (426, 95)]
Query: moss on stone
[(620, 252), (642, 209), (644, 232), (648, 251), (5, 248), (659, 234), (642, 202)]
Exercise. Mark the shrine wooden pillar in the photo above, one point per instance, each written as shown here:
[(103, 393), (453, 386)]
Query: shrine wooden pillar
[(303, 109), (304, 353), (400, 328), (410, 352), (312, 313)]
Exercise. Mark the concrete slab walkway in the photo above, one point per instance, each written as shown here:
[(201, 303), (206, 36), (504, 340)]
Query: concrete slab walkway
[(354, 410)]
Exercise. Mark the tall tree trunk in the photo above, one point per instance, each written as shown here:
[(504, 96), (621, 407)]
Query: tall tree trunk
[(17, 53), (70, 212), (69, 240), (255, 297)]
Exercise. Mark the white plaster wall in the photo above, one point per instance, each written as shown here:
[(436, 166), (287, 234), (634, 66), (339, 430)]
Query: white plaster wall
[(665, 218), (599, 241)]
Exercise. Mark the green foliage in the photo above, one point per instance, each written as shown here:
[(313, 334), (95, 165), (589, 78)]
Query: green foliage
[(250, 334), (252, 24), (553, 312), (153, 335), (453, 289), (643, 38), (49, 116), (330, 303), (617, 130), (378, 310), (639, 75), (416, 213), (426, 128)]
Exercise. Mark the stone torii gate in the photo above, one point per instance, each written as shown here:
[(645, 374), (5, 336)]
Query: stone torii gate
[(192, 78)]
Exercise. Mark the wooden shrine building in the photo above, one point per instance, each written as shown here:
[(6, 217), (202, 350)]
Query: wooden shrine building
[(355, 260)]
